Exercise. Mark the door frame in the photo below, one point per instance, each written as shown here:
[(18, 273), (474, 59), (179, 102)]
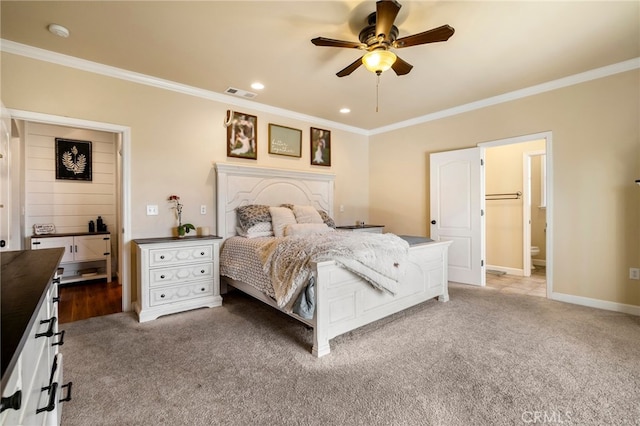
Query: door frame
[(548, 137), (526, 210), (124, 211)]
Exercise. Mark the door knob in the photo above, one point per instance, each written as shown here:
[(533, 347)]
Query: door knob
[(433, 222)]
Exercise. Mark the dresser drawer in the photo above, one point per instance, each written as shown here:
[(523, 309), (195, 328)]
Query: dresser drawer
[(161, 296), (176, 274), (167, 256)]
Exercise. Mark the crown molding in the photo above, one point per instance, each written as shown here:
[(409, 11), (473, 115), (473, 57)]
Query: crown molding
[(594, 74), (119, 73), (12, 47)]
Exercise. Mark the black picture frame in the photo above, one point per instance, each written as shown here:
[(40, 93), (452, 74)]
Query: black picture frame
[(242, 136), (320, 141), (73, 160)]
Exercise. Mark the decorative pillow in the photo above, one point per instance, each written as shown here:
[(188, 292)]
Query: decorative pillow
[(306, 229), (252, 214), (280, 218), (260, 229), (327, 219), (306, 214)]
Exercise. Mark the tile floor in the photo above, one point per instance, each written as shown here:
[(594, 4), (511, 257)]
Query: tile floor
[(535, 285)]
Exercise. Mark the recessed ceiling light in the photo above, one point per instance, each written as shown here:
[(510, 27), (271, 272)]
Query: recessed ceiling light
[(345, 110), (257, 86), (58, 30)]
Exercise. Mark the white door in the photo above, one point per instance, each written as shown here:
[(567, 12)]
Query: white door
[(457, 211)]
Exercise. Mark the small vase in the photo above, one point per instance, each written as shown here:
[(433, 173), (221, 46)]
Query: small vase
[(181, 231)]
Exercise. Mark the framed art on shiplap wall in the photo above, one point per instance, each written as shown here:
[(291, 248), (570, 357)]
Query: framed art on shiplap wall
[(73, 159)]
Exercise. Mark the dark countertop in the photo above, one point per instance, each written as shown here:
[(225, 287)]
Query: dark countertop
[(70, 234), (24, 280), (172, 239)]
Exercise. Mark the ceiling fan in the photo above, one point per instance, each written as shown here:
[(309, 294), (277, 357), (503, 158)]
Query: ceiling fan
[(379, 36)]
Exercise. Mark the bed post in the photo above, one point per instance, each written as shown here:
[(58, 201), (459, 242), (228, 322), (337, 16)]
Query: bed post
[(321, 328)]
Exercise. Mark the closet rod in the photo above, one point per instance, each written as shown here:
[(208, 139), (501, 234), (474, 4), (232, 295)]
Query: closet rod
[(511, 195)]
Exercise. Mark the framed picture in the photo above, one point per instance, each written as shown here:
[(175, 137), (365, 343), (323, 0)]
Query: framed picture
[(285, 141), (242, 138), (73, 159), (320, 147)]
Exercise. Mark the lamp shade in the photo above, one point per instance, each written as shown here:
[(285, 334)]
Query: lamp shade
[(378, 61)]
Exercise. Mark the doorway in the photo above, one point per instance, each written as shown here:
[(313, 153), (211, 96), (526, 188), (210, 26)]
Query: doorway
[(123, 173), (453, 200)]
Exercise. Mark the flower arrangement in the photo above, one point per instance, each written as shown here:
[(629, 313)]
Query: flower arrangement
[(182, 229)]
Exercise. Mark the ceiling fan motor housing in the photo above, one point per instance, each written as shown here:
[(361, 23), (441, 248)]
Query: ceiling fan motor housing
[(369, 37)]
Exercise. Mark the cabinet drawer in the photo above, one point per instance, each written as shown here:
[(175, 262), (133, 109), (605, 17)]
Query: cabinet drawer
[(176, 274), (166, 256), (161, 296)]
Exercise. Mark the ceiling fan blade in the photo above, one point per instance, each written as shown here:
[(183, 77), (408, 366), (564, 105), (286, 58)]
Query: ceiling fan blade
[(431, 36), (351, 68), (401, 67), (323, 41), (386, 12)]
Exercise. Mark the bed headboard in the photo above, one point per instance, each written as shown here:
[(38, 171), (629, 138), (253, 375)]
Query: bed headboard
[(240, 185)]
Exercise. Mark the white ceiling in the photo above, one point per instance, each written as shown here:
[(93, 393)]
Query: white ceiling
[(498, 47)]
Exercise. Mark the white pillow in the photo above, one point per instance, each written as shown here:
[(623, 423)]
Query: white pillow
[(306, 229), (260, 229), (307, 214), (280, 218)]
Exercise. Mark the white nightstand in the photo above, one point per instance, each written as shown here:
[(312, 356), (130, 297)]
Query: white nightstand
[(176, 275)]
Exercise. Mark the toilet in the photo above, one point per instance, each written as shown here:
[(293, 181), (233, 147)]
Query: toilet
[(534, 252)]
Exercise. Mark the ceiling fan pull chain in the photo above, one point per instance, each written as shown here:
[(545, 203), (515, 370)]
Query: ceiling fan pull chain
[(377, 85)]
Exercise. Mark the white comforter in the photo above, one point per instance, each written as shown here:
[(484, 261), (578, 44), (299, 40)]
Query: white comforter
[(379, 258)]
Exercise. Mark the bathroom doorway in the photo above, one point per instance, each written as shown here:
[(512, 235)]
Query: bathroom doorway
[(516, 183)]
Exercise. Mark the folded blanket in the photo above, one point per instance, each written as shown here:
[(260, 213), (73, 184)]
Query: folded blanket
[(379, 258)]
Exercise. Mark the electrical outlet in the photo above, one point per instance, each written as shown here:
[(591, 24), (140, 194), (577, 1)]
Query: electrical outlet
[(203, 209), (341, 208), (634, 273), (152, 210)]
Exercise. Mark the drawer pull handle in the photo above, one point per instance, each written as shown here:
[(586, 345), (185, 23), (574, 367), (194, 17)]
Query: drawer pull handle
[(162, 296), (68, 397), (201, 253), (61, 341), (52, 398), (162, 277), (202, 289), (56, 299), (202, 271), (14, 401), (49, 332), (162, 257), (54, 367)]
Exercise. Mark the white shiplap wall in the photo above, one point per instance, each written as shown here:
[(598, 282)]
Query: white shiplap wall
[(68, 204)]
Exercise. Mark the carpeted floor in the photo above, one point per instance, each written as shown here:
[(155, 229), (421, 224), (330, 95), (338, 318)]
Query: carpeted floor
[(483, 358)]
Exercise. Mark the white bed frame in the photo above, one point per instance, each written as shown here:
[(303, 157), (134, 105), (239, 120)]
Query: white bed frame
[(344, 301)]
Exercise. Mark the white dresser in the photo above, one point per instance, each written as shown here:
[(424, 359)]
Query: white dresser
[(87, 256), (32, 389), (376, 229), (177, 274)]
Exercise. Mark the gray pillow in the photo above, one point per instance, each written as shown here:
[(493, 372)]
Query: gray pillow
[(252, 214)]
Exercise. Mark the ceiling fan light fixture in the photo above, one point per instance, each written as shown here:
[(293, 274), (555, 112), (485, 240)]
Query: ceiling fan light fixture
[(379, 61)]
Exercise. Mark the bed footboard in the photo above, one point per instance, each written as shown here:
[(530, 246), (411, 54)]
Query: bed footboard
[(344, 302)]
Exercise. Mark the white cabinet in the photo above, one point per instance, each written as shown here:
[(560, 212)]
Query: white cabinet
[(176, 275), (34, 393), (86, 257)]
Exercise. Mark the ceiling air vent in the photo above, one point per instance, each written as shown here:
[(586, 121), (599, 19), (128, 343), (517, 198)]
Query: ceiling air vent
[(240, 93)]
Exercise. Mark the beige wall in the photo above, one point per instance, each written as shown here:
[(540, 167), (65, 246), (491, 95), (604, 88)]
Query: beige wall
[(175, 138), (596, 158)]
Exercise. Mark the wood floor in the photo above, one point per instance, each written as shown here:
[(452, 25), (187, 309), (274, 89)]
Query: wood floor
[(89, 299)]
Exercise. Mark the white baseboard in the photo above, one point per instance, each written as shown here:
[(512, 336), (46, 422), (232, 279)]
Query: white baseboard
[(596, 303), (507, 270)]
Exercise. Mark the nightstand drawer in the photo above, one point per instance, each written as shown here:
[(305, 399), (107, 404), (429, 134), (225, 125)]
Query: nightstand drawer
[(166, 256), (172, 275), (160, 296)]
